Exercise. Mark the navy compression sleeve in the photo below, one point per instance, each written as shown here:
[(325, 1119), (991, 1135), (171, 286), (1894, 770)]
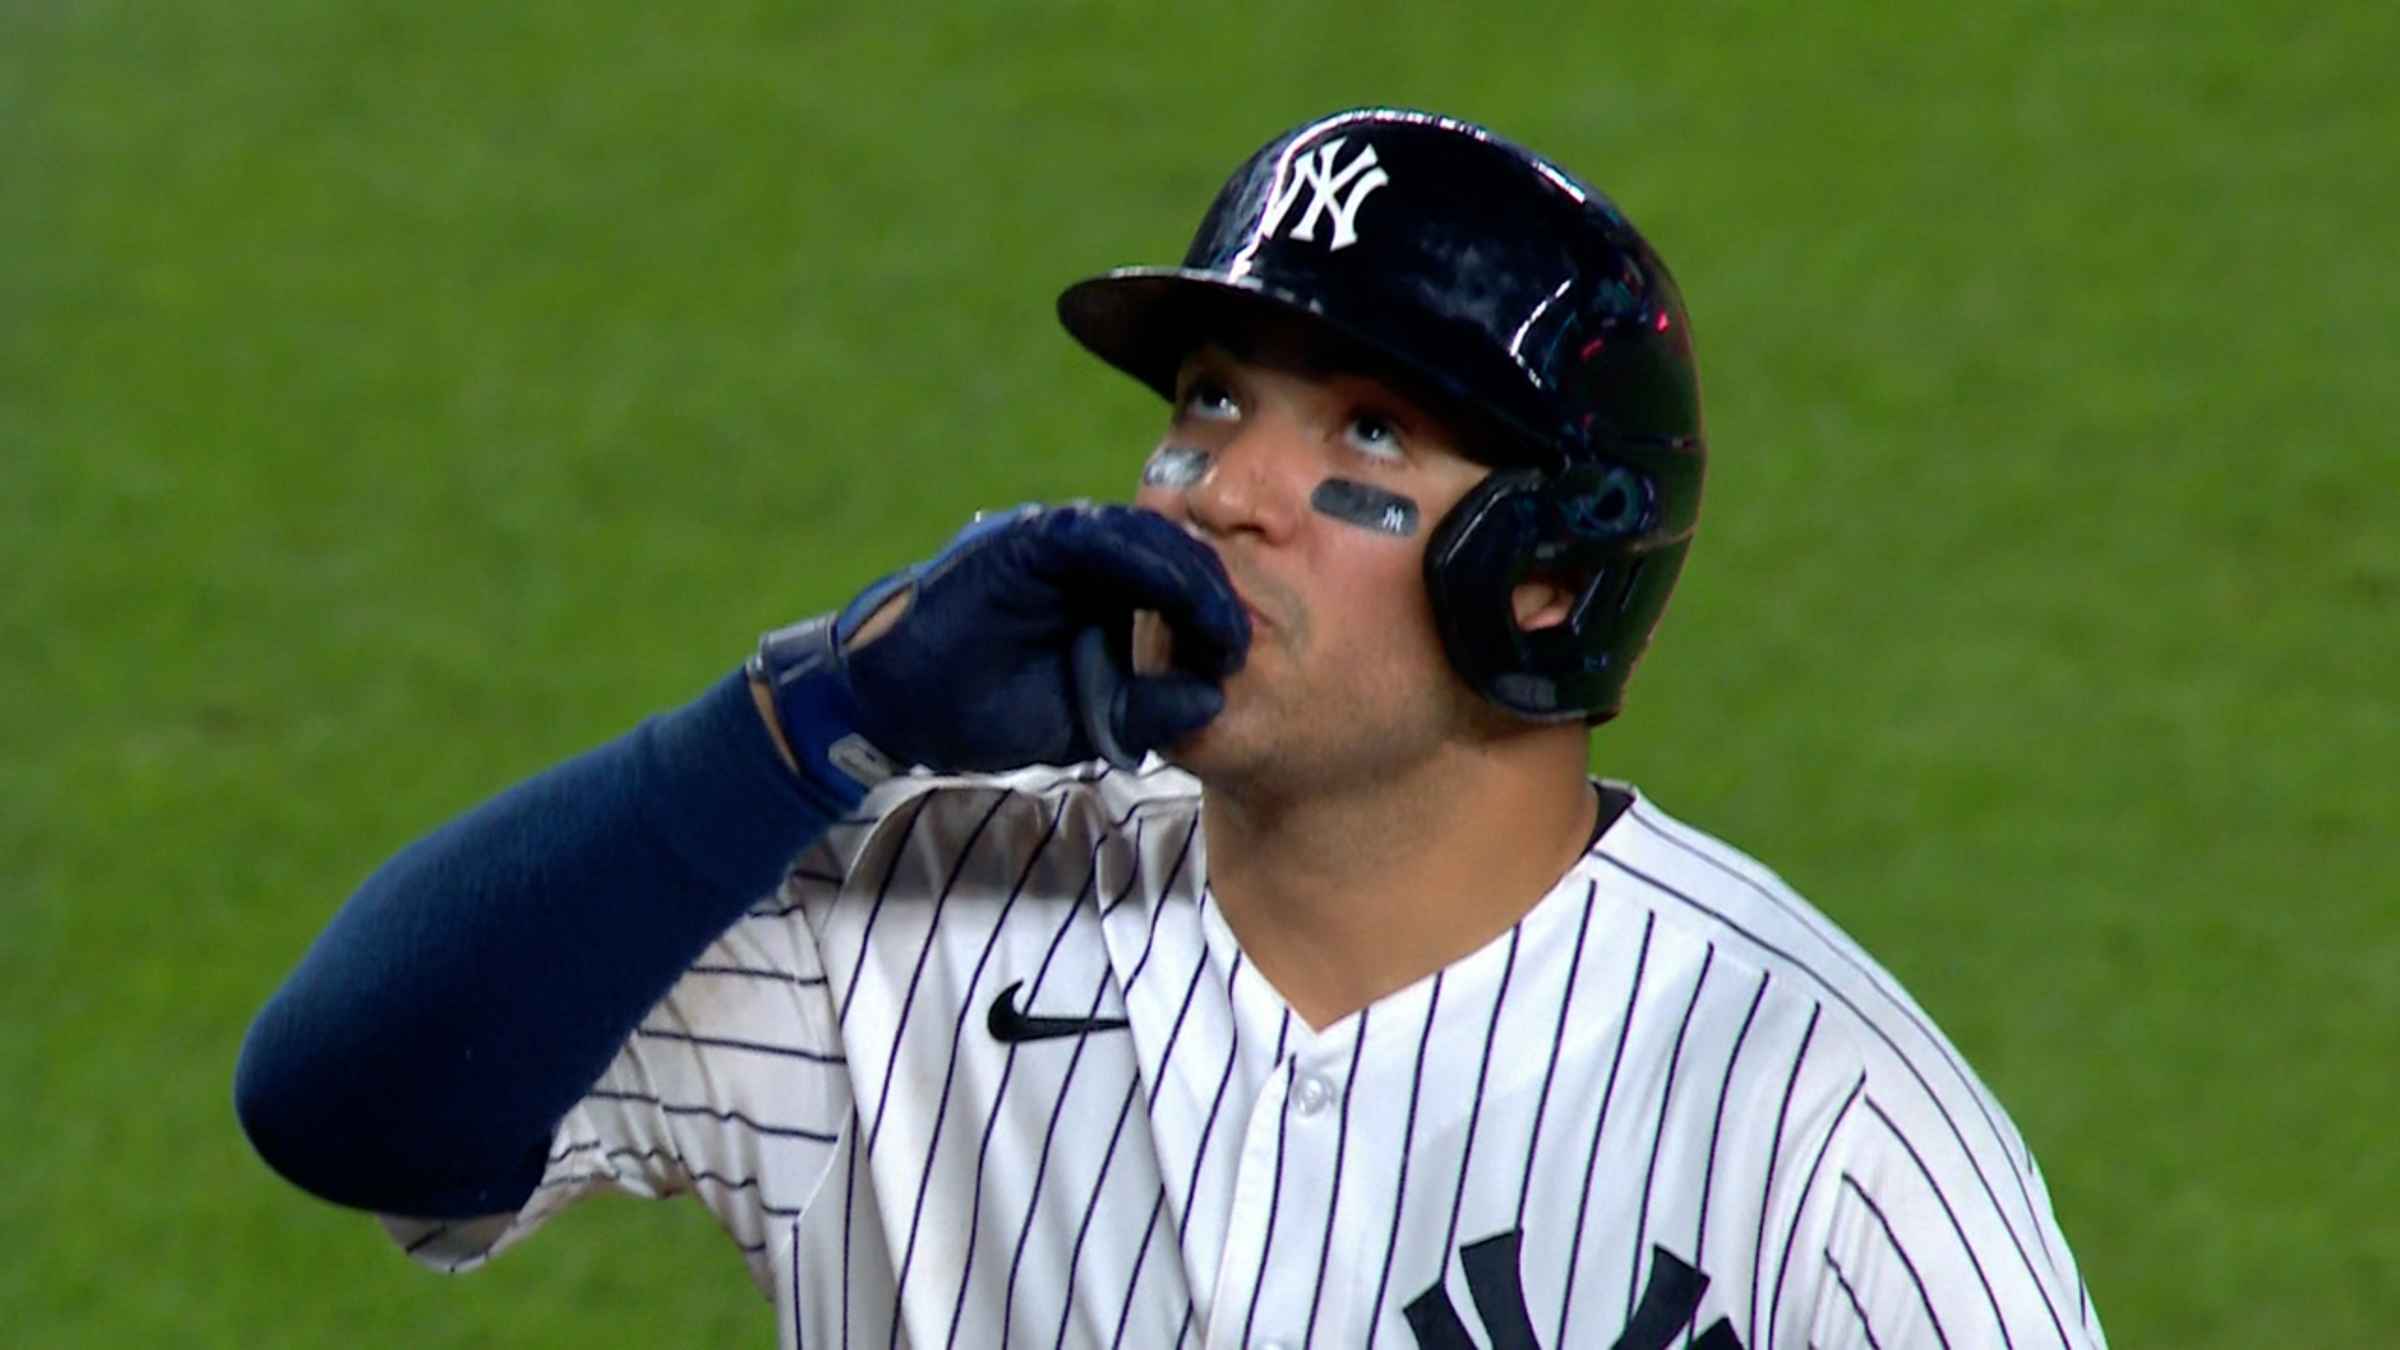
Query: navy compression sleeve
[(418, 1059)]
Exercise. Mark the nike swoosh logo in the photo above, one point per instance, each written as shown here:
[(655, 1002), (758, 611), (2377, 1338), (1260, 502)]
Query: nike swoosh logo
[(1010, 1024)]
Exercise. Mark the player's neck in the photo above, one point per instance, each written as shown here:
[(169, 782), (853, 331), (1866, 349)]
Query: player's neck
[(1341, 898)]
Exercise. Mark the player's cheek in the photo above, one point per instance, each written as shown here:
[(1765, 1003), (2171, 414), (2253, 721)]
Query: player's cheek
[(1392, 608), (1167, 477)]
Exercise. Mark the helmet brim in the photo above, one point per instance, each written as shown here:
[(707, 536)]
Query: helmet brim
[(1146, 321)]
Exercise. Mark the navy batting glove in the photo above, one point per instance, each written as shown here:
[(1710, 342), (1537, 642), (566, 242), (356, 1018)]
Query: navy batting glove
[(992, 667)]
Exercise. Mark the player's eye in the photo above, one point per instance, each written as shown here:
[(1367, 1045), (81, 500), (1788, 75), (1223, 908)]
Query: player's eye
[(1209, 400), (1375, 436)]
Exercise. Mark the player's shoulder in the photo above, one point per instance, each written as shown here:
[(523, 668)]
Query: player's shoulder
[(1703, 885), (1710, 882), (926, 820), (1711, 892), (1889, 1104)]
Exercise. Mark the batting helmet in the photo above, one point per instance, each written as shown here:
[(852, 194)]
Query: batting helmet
[(1520, 303)]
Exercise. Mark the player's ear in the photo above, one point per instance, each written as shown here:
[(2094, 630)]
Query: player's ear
[(1541, 603)]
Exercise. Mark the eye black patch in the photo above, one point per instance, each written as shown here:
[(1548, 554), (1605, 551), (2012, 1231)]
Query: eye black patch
[(1366, 506), (1176, 466)]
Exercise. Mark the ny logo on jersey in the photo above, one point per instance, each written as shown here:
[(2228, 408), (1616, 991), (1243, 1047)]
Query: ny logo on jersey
[(1668, 1304), (1315, 170)]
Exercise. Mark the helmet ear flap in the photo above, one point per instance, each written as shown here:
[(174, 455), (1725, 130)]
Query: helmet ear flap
[(1586, 527), (1478, 554)]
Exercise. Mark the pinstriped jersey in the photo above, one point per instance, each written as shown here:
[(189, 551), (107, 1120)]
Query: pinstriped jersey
[(992, 1070)]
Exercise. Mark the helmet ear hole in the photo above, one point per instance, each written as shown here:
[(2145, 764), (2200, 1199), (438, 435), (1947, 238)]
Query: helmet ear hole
[(1546, 600)]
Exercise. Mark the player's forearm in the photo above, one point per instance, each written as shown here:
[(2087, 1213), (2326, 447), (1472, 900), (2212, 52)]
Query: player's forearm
[(478, 983)]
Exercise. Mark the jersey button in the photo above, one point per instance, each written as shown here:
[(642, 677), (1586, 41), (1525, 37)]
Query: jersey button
[(1312, 1094)]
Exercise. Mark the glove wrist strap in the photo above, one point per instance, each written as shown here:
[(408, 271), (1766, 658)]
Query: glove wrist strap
[(801, 667)]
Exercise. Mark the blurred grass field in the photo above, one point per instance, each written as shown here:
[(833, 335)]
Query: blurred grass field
[(395, 398)]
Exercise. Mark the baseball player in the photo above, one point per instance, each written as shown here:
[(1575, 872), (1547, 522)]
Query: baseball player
[(1192, 922)]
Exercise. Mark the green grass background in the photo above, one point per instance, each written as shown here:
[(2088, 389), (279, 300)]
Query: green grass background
[(396, 397)]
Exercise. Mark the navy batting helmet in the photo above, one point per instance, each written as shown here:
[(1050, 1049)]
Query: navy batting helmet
[(1519, 302)]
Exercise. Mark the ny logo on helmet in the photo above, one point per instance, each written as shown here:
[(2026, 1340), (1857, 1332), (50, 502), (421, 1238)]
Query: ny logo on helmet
[(1315, 170)]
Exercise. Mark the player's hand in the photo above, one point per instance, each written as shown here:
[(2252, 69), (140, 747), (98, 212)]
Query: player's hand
[(1011, 646)]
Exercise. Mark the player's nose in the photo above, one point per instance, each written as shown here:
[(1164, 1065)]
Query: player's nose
[(1252, 483)]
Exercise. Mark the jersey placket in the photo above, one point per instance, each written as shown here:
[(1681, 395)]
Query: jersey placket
[(1267, 1283)]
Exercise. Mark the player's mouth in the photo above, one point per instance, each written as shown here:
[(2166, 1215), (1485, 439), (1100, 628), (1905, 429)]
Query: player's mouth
[(1246, 588), (1271, 608)]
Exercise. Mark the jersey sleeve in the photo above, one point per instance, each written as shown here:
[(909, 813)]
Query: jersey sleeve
[(1920, 1247), (733, 1088)]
